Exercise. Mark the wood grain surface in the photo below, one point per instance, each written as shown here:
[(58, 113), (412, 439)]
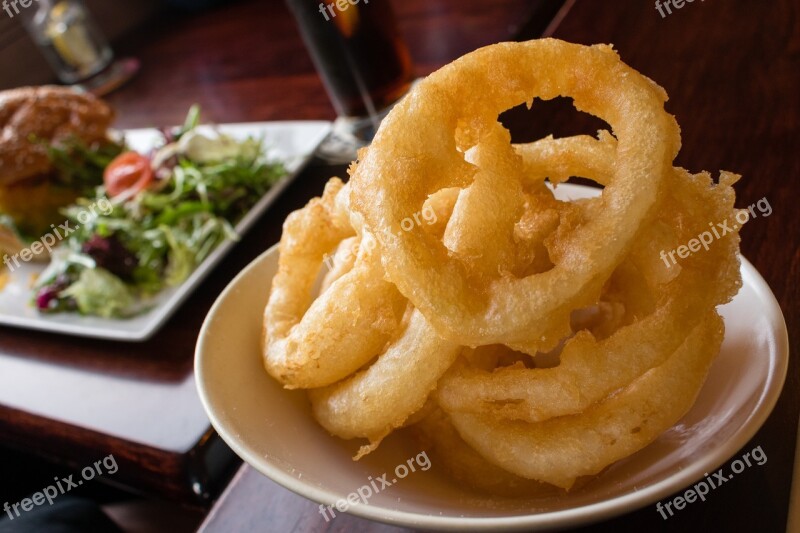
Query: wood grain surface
[(730, 68)]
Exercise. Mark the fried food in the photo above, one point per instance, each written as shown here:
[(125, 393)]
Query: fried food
[(402, 377), (530, 341), (457, 109), (307, 344), (591, 369), (561, 449), (436, 434)]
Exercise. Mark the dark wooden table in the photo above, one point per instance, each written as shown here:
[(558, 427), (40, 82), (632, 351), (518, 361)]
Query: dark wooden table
[(730, 68)]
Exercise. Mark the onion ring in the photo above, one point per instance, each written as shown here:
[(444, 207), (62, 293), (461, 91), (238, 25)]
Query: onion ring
[(560, 450), (402, 377), (451, 104), (530, 341), (591, 369), (315, 344), (436, 434)]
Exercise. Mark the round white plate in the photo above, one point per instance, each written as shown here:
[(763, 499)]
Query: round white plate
[(272, 429)]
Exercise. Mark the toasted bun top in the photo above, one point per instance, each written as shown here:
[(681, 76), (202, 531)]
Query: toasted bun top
[(51, 114)]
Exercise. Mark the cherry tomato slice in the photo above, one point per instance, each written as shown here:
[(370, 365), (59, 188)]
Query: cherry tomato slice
[(128, 173)]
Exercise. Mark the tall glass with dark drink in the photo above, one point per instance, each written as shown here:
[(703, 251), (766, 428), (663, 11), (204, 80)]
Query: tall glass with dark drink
[(362, 60)]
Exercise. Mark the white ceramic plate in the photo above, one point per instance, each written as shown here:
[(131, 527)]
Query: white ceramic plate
[(290, 142), (272, 429)]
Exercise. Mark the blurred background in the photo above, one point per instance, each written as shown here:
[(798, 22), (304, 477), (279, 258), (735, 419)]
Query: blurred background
[(242, 46), (21, 63)]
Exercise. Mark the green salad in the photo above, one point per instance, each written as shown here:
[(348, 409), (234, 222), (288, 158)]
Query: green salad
[(153, 221)]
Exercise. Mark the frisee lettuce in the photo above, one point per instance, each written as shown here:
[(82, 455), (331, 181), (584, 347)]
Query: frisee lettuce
[(157, 238)]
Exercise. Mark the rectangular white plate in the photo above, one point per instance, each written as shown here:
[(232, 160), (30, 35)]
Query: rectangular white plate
[(290, 142)]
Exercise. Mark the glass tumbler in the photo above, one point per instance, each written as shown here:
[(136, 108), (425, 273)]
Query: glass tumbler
[(363, 62)]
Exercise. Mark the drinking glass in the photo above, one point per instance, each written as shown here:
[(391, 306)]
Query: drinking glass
[(74, 46), (363, 62)]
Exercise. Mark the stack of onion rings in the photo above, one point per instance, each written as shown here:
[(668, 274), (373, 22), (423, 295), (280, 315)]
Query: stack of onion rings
[(539, 340)]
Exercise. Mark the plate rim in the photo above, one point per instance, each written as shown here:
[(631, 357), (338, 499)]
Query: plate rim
[(591, 513)]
